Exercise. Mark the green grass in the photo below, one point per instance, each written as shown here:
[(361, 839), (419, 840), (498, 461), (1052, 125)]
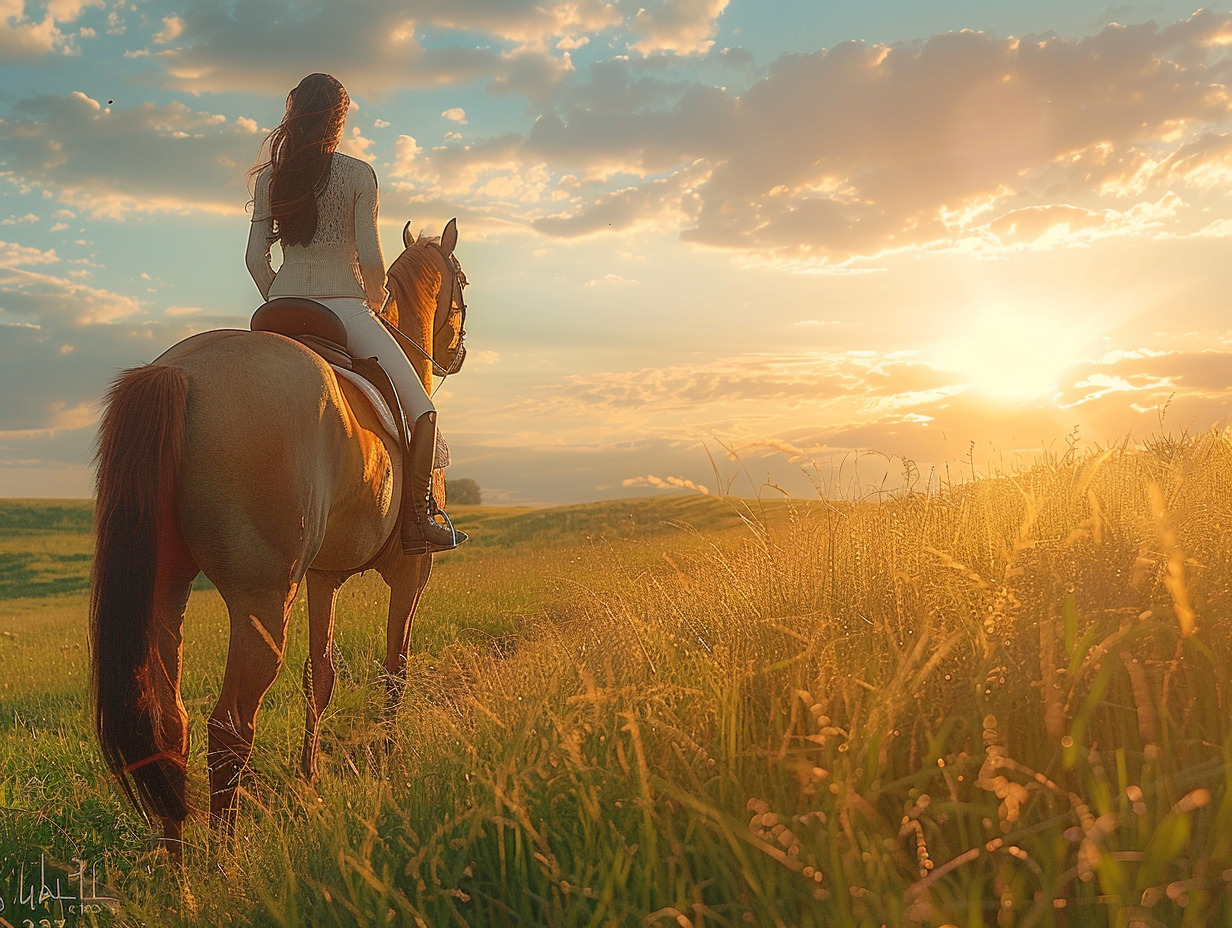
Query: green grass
[(44, 547), (977, 707)]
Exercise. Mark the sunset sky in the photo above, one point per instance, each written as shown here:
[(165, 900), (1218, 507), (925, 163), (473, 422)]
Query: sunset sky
[(800, 230)]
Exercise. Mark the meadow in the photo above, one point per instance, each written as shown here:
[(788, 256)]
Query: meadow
[(1000, 702)]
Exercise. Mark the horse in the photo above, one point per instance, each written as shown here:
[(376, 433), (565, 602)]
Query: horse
[(241, 455)]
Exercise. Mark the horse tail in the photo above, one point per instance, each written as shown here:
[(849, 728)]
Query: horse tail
[(140, 444)]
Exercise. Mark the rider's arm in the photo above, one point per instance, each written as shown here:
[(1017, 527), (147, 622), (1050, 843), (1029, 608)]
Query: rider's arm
[(261, 236), (367, 242)]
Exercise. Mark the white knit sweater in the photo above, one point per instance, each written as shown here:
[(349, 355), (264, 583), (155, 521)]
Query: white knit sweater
[(344, 257)]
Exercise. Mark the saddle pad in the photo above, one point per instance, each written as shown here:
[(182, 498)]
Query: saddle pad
[(378, 404)]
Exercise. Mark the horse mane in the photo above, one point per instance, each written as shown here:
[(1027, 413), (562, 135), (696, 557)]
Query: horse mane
[(413, 280)]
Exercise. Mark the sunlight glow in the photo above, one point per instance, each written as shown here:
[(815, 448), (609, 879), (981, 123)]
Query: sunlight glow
[(1015, 352)]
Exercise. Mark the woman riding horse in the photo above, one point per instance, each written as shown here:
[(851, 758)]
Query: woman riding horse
[(322, 206), (242, 456)]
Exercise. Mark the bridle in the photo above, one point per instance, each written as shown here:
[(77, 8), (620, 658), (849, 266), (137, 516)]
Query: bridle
[(456, 301)]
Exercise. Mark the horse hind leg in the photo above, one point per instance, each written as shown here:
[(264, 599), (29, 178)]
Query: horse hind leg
[(171, 593), (405, 589), (254, 657), (319, 667)]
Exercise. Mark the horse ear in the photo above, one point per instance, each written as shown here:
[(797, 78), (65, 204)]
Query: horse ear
[(408, 237), (449, 238)]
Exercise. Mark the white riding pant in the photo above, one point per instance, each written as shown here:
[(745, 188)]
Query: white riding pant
[(367, 337)]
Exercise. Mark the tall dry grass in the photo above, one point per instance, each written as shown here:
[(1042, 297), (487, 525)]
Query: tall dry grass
[(999, 704)]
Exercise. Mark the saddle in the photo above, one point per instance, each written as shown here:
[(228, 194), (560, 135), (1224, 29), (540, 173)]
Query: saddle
[(318, 328)]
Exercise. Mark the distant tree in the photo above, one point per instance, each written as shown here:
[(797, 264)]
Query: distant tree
[(463, 492)]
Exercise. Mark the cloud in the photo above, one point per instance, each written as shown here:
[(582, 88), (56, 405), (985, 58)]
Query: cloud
[(25, 36), (774, 380), (377, 48), (816, 407), (354, 143), (609, 280), (112, 162), (741, 397), (49, 302), (67, 11), (61, 343), (13, 255), (965, 140), (680, 26), (173, 28), (455, 114), (1150, 378), (899, 139), (636, 207), (524, 45), (665, 483)]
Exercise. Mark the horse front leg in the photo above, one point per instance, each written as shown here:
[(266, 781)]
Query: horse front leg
[(319, 667), (405, 589)]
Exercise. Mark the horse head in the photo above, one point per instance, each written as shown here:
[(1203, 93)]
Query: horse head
[(426, 301)]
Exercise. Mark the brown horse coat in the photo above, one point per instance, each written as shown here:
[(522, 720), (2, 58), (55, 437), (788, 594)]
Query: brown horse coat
[(240, 455)]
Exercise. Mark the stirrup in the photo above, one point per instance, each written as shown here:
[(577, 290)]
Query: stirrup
[(422, 544), (458, 537)]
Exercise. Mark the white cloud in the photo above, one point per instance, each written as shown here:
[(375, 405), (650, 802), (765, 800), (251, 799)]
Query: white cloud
[(50, 302), (111, 161), (406, 153), (961, 141), (13, 255), (67, 11), (817, 407), (681, 26), (173, 28), (61, 343), (27, 32), (354, 143), (609, 280), (665, 483), (255, 44), (22, 37), (41, 315)]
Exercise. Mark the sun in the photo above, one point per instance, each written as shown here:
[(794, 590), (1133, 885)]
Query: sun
[(1014, 352)]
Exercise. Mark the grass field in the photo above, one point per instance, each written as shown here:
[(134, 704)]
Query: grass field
[(1004, 703)]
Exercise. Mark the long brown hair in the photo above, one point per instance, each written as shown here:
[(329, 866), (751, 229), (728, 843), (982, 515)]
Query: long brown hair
[(300, 149)]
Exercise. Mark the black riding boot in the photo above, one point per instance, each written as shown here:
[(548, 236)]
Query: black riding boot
[(421, 533)]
